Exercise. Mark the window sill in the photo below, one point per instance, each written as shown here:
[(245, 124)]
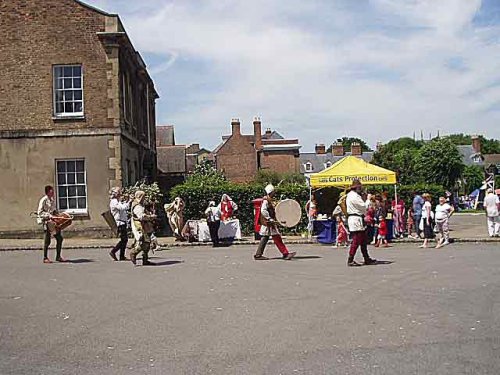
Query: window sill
[(69, 118), (77, 214)]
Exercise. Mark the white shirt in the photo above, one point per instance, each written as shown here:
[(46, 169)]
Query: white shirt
[(46, 207), (265, 230), (427, 210), (355, 206), (491, 202), (443, 212), (213, 214), (119, 211), (139, 212)]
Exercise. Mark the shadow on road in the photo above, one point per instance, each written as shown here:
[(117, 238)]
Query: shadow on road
[(382, 262), (168, 262), (299, 257), (78, 261)]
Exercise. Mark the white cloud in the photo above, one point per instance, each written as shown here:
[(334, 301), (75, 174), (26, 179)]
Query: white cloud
[(378, 69)]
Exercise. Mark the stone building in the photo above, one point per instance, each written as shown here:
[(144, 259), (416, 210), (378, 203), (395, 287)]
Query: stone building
[(77, 111), (320, 159), (241, 156)]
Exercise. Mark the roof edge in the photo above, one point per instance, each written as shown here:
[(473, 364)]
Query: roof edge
[(95, 9)]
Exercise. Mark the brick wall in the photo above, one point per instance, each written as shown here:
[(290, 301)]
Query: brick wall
[(237, 159), (280, 162), (35, 36)]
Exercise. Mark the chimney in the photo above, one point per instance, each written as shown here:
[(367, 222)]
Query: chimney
[(476, 144), (235, 126), (320, 149), (338, 149), (379, 146), (268, 132), (257, 133), (356, 149)]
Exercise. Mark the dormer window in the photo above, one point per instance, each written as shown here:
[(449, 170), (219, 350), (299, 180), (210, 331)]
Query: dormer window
[(308, 167), (328, 164)]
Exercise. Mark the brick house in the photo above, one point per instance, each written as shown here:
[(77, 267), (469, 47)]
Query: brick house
[(241, 156), (320, 159), (77, 111)]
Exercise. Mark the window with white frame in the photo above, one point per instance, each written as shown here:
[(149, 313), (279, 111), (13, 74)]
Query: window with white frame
[(328, 164), (68, 90), (308, 166), (71, 185)]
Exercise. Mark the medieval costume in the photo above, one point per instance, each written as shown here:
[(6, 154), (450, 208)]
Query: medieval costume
[(356, 209), (119, 209), (269, 227), (46, 209), (175, 216), (227, 207), (142, 228)]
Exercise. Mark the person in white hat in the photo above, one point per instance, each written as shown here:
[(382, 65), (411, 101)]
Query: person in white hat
[(269, 227)]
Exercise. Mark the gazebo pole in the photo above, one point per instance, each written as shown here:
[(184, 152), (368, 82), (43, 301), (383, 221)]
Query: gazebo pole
[(309, 225)]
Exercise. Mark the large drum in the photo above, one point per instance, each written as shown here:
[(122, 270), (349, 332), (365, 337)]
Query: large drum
[(59, 223), (288, 213)]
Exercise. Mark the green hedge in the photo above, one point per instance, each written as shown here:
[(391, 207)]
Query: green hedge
[(197, 198)]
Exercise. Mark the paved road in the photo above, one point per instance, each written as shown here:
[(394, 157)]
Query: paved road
[(206, 311)]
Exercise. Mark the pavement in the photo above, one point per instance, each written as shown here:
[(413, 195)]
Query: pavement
[(217, 311), (464, 228)]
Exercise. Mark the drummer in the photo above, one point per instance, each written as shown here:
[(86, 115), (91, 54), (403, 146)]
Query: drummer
[(47, 210), (269, 227)]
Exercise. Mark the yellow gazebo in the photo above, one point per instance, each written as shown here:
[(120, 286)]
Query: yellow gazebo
[(342, 173), (345, 171)]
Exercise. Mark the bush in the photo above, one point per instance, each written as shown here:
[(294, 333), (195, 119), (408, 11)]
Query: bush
[(152, 192), (197, 198)]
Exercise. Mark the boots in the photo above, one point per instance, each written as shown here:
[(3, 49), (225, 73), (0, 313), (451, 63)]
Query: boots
[(146, 262), (351, 262)]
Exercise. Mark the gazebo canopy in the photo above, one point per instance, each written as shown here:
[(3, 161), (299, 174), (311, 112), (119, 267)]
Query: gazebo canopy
[(343, 172)]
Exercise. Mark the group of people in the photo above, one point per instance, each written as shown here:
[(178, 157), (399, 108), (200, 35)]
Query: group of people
[(225, 210), (365, 216)]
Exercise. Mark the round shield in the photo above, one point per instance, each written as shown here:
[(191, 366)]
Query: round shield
[(288, 213)]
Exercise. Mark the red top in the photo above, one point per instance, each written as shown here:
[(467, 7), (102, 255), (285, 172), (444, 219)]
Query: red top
[(226, 210), (382, 228)]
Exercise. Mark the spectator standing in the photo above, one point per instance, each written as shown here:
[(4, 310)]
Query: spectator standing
[(399, 211), (370, 220), (443, 212), (426, 220), (418, 203), (492, 208), (213, 215)]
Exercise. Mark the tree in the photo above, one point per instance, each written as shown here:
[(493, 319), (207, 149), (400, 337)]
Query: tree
[(205, 174), (348, 141), (399, 156), (265, 177), (439, 162), (472, 177)]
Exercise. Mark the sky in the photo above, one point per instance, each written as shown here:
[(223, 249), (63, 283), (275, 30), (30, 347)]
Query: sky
[(319, 70)]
